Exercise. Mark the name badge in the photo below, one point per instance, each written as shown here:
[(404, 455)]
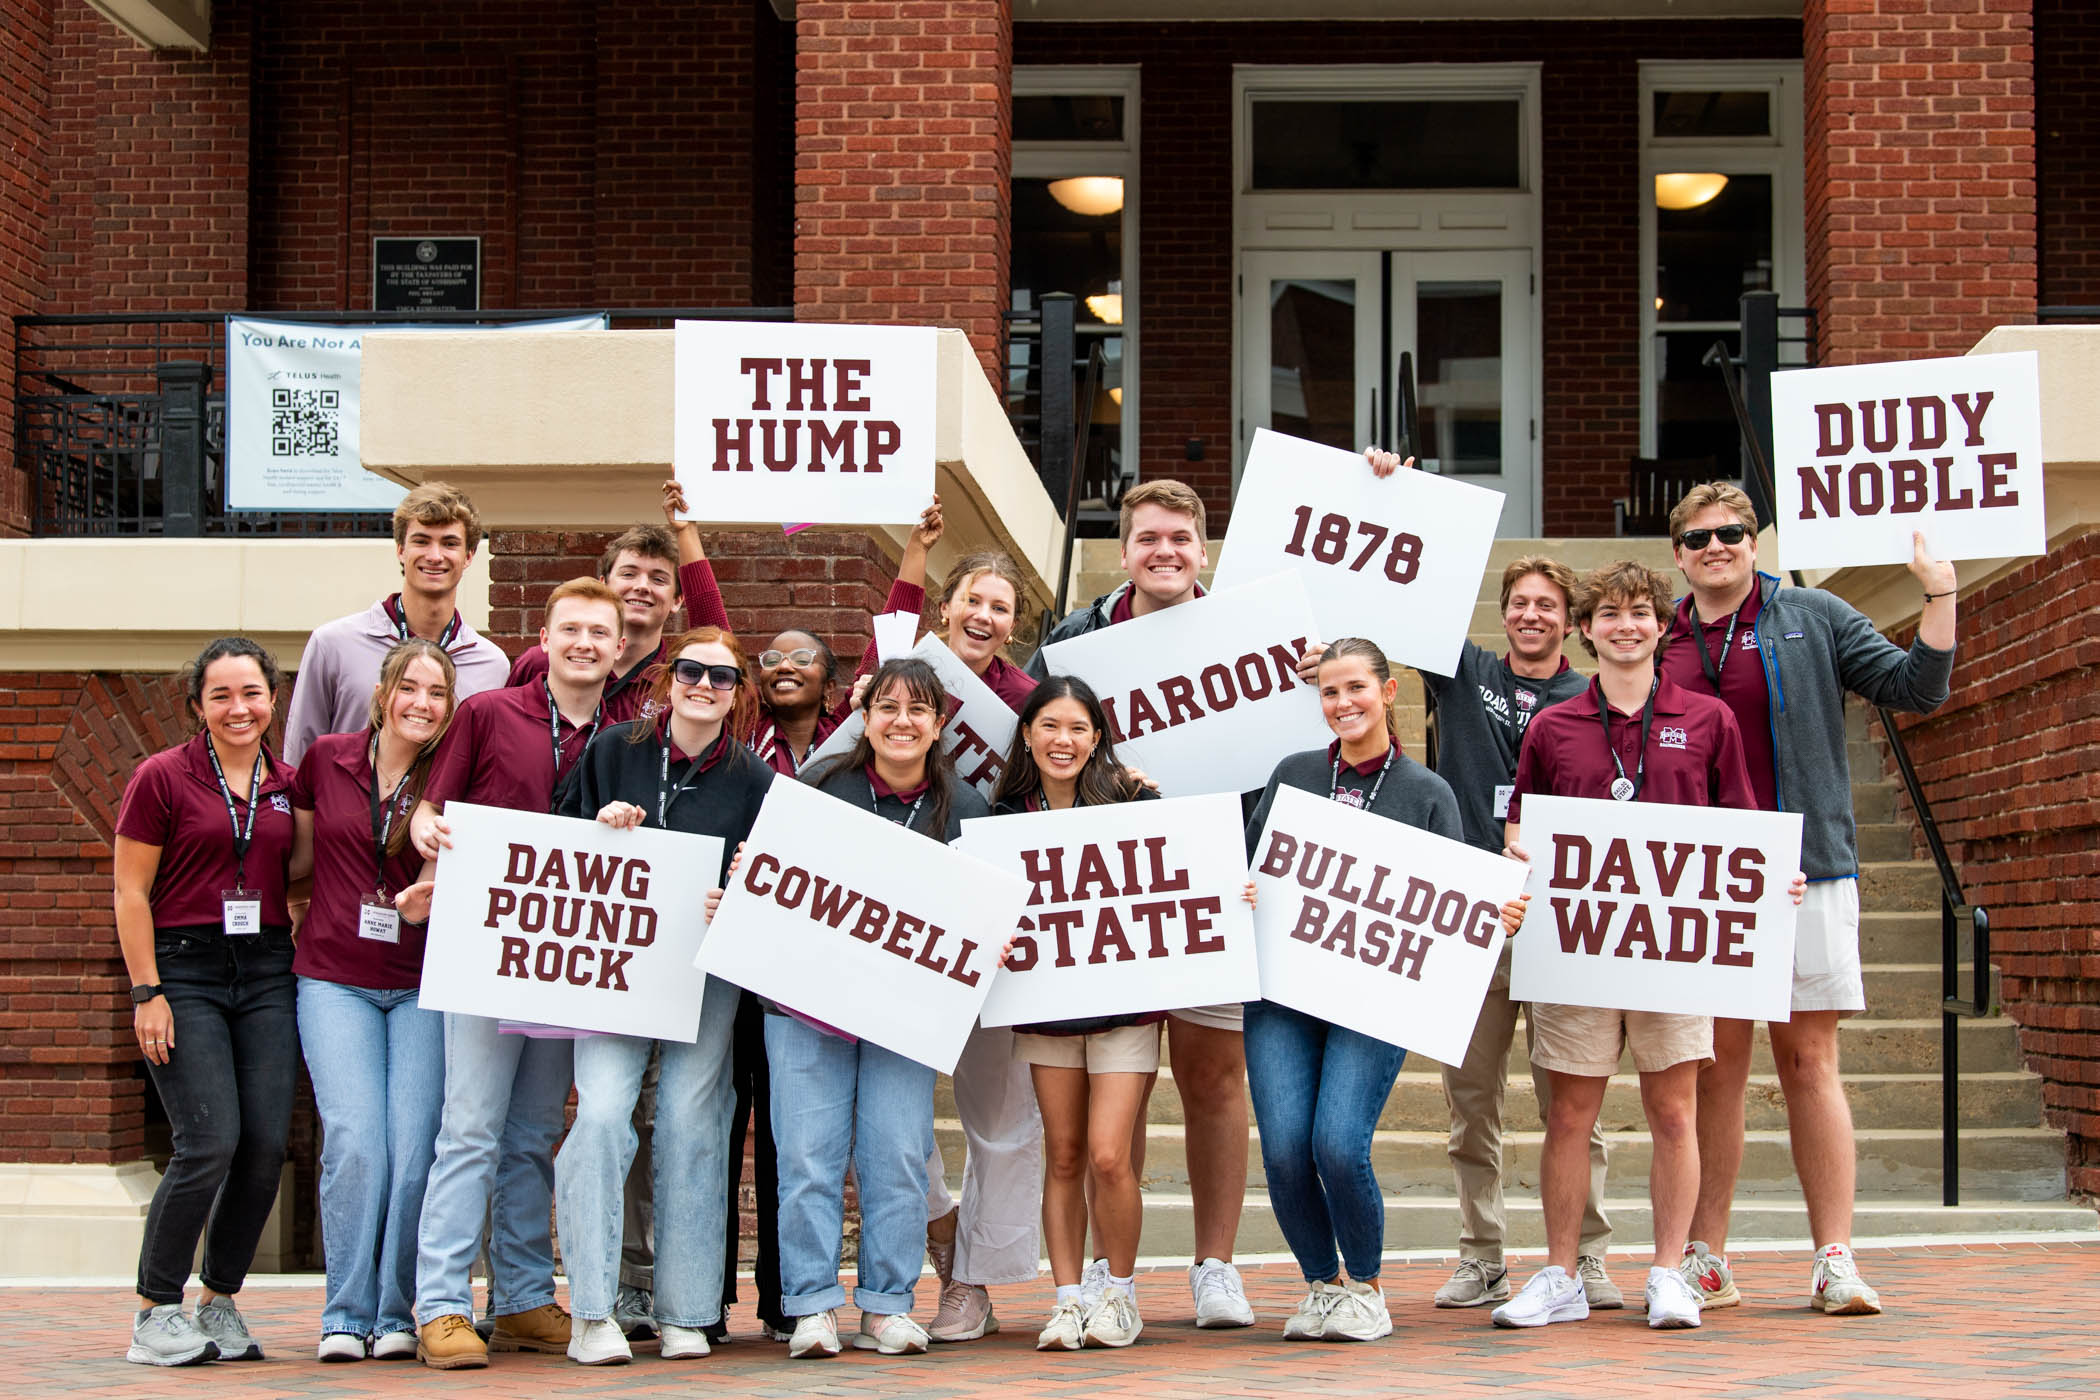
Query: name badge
[(378, 920), (1503, 792), (242, 912)]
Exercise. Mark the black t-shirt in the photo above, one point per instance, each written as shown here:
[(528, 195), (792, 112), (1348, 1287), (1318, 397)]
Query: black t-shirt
[(1481, 715)]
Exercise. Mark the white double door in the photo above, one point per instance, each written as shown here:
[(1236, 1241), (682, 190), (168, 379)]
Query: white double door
[(1322, 335)]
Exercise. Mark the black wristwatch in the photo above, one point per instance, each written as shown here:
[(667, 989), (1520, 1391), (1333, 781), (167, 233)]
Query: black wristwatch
[(143, 994)]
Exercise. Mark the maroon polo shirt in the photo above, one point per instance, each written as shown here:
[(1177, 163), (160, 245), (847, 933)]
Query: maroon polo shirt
[(882, 789), (1742, 688), (1359, 778), (1125, 608), (498, 752), (773, 751), (625, 694), (1695, 754), (335, 784), (173, 801)]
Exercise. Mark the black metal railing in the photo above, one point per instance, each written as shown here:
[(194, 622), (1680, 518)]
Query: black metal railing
[(2044, 314), (121, 417), (1749, 390)]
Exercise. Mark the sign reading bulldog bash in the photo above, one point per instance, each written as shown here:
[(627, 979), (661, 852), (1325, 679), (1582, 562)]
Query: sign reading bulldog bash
[(1368, 923), (822, 423), (1398, 560), (1205, 696), (980, 725), (1132, 907), (857, 923), (1865, 454), (563, 922), (1648, 906)]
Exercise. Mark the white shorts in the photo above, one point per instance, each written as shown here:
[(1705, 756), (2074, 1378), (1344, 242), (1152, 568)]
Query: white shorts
[(1826, 949), (1229, 1016)]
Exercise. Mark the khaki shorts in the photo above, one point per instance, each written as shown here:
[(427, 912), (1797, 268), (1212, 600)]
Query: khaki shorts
[(1124, 1050), (1231, 1016), (1827, 974), (1587, 1039)]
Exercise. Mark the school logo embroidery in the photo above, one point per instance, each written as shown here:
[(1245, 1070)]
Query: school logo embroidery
[(1526, 699), (1672, 736), (1350, 797), (1750, 641), (280, 803)]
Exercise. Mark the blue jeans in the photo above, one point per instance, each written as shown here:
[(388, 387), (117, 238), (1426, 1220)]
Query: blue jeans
[(833, 1099), (377, 1061), (1318, 1090), (689, 1160), (504, 1096)]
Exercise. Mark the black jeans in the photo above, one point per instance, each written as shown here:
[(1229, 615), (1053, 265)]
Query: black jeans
[(753, 1098), (227, 1087)]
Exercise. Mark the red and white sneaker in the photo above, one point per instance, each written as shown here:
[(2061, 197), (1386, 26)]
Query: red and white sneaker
[(1709, 1277), (1836, 1287)]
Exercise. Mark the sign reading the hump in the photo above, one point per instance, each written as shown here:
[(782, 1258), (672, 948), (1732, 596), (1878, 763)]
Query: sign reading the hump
[(828, 424), (1865, 454)]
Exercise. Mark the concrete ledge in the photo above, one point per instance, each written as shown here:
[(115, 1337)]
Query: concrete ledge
[(74, 1220)]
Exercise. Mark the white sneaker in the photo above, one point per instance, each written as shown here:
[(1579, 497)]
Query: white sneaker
[(1552, 1295), (1836, 1287), (1221, 1299), (598, 1341), (1093, 1280), (1358, 1315), (895, 1334), (816, 1334), (680, 1343), (1306, 1324), (341, 1346), (1066, 1329), (1114, 1321), (1672, 1302), (395, 1346)]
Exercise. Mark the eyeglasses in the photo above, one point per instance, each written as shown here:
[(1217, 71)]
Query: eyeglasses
[(1697, 539), (800, 656), (695, 672)]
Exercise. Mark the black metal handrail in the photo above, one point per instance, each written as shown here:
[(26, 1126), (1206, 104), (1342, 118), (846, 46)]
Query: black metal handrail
[(1761, 315)]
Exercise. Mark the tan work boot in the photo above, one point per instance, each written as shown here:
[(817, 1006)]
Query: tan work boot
[(451, 1344), (544, 1328)]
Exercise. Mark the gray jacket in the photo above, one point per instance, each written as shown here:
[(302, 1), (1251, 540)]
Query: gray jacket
[(1817, 647), (1091, 618)]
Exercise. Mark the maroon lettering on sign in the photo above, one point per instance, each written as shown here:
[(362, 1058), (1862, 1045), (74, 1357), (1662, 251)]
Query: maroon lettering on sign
[(1949, 498), (512, 963), (1833, 429), (1972, 407), (1687, 936), (1640, 931), (1747, 867), (848, 397), (1996, 465), (1882, 438), (1583, 924), (832, 442), (1923, 439), (1729, 927), (501, 903)]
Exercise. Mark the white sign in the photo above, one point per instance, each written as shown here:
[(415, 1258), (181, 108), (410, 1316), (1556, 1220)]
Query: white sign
[(1648, 906), (565, 922), (980, 725), (1398, 560), (292, 413), (1378, 926), (855, 922), (1205, 696), (1133, 907), (1864, 454), (777, 421)]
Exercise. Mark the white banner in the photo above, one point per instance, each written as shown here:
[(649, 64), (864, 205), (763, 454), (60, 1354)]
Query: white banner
[(292, 413), (1205, 696), (1865, 454), (1381, 927), (980, 725), (855, 922), (1648, 906), (806, 422), (566, 922), (1398, 561), (1133, 907)]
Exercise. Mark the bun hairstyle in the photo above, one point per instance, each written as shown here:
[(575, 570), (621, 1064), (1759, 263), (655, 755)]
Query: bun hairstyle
[(1101, 778), (192, 676), (743, 711), (922, 685), (1373, 656), (392, 667)]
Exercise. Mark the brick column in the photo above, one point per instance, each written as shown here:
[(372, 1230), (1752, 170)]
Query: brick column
[(1920, 173), (902, 158), (25, 211)]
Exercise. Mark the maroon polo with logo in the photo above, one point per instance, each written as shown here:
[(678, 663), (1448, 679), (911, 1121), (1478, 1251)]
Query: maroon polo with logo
[(499, 753), (1742, 687), (1354, 783), (1695, 752), (335, 784), (173, 801), (625, 692)]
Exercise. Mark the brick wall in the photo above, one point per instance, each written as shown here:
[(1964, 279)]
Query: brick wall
[(1921, 174), (1591, 212), (2008, 764), (2067, 130), (25, 207)]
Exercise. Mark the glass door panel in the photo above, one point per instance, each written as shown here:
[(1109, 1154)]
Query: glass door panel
[(1309, 338), (1467, 319)]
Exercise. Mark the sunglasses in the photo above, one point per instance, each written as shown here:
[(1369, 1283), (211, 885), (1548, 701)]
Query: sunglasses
[(1697, 539), (695, 673), (800, 656)]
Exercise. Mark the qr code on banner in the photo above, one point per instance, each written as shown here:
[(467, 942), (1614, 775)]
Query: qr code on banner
[(304, 422)]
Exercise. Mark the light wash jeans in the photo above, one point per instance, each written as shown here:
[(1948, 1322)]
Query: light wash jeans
[(833, 1099), (377, 1061), (504, 1096), (689, 1159)]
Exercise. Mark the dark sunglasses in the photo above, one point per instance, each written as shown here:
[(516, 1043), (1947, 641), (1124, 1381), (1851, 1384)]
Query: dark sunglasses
[(1697, 539), (800, 656), (694, 672)]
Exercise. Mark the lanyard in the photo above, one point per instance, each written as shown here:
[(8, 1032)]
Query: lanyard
[(383, 817), (1623, 788), (666, 795), (619, 683), (243, 836), (1706, 661), (398, 615), (1334, 780), (909, 817), (554, 726)]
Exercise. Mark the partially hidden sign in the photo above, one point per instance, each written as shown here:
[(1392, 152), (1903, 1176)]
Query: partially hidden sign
[(1865, 454), (786, 422), (1368, 923), (1647, 906), (857, 923), (980, 725), (565, 922), (1397, 560), (1132, 907)]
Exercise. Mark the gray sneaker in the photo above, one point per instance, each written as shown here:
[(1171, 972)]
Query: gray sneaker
[(165, 1336), (1597, 1286), (1472, 1284), (635, 1310), (221, 1321)]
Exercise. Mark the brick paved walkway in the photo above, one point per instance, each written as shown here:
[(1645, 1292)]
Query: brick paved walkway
[(1974, 1321)]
